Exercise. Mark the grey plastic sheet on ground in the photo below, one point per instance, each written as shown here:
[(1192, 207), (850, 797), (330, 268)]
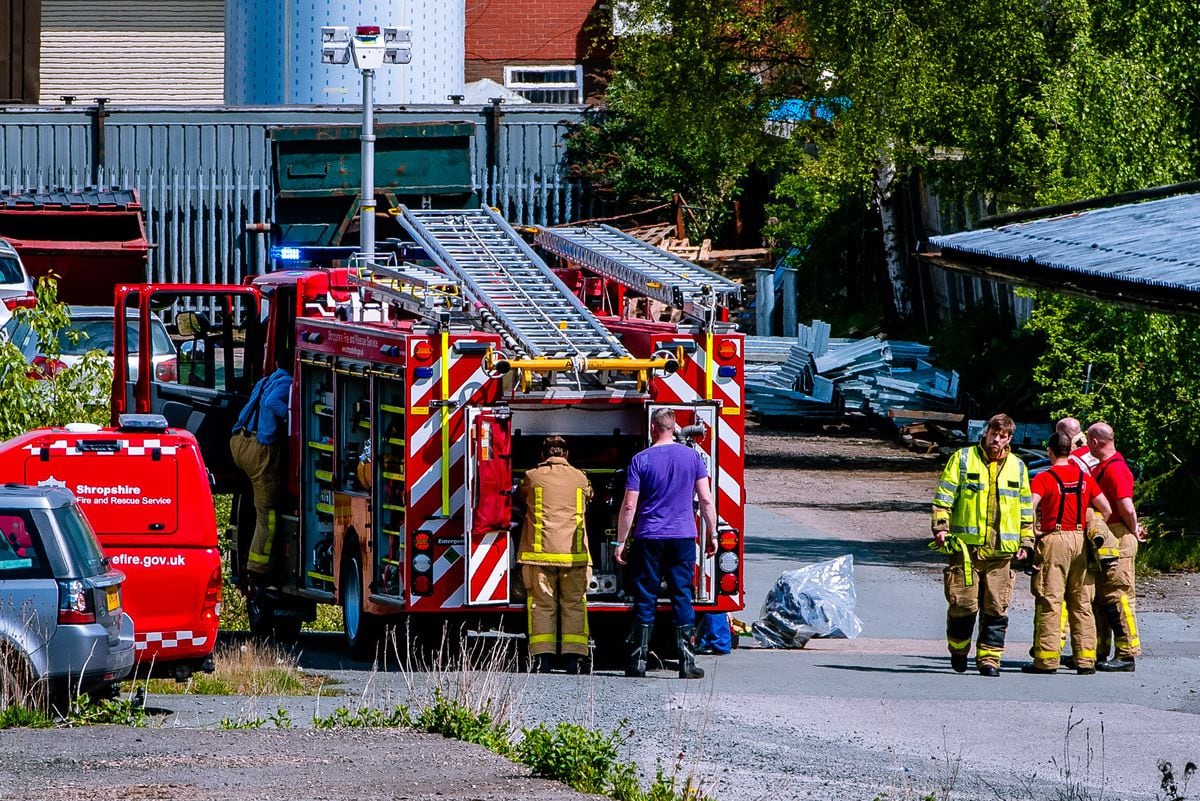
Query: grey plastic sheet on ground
[(812, 601)]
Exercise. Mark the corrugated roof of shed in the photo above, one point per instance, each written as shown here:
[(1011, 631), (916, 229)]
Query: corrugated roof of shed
[(1143, 253)]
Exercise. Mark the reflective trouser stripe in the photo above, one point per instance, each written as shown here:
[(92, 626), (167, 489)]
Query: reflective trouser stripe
[(1047, 655), (1064, 628), (983, 653), (959, 646), (1086, 653), (1133, 641), (260, 546)]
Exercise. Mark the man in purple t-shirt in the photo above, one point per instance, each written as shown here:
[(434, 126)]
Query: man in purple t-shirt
[(657, 512)]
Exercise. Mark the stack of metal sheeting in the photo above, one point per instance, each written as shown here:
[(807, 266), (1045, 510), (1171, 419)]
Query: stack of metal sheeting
[(815, 377)]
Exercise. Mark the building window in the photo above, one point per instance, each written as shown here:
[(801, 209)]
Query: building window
[(555, 84)]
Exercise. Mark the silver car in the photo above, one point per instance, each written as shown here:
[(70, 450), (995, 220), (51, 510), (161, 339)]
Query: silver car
[(63, 629), (16, 287)]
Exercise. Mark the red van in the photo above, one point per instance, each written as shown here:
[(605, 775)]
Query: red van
[(145, 490)]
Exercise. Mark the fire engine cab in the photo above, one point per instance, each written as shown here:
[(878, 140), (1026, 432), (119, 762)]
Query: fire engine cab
[(424, 383)]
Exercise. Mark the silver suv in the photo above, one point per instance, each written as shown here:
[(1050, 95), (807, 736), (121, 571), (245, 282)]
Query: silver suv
[(16, 287), (62, 626)]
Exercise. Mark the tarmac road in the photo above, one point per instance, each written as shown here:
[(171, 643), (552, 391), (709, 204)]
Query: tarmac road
[(841, 719)]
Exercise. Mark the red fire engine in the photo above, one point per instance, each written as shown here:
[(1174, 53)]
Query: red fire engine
[(423, 387)]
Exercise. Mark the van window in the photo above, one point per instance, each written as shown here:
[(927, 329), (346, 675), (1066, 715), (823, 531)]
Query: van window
[(21, 554), (78, 537)]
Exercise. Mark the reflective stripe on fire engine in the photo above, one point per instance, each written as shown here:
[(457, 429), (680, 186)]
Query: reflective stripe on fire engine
[(445, 362), (708, 365), (167, 639)]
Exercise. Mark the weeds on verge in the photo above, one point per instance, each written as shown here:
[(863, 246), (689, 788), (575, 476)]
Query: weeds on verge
[(1169, 785), (1080, 773), (250, 668), (279, 719), (86, 711)]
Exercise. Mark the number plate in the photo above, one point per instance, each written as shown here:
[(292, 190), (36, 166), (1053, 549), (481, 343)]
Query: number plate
[(114, 598)]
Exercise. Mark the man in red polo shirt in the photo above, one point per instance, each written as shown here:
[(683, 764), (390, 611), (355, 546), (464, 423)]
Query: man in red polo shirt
[(1062, 497), (1116, 623)]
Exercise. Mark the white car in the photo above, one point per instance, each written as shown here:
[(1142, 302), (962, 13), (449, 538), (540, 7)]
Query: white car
[(96, 322), (16, 287)]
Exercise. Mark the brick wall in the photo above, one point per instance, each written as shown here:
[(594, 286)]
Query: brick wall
[(530, 33)]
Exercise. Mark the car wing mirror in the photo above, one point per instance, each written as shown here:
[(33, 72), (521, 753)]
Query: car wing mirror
[(191, 325)]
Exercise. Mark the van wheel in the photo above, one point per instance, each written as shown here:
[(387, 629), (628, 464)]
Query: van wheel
[(362, 628)]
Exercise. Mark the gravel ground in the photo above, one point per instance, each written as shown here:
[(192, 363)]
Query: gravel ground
[(257, 765), (841, 720)]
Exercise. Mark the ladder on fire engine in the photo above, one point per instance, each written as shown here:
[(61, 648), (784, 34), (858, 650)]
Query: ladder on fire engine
[(419, 291), (644, 268), (520, 296)]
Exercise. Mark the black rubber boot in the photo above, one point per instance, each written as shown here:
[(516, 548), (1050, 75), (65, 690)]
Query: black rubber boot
[(1116, 623), (545, 663), (687, 657), (1118, 664), (639, 651)]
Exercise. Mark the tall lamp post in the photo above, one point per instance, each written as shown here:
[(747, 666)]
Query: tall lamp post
[(371, 47)]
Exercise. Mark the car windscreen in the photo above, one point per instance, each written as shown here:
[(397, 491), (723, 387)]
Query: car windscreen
[(81, 542), (99, 336), (10, 271)]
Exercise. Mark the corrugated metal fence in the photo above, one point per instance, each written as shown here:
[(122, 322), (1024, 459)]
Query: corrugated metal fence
[(203, 174)]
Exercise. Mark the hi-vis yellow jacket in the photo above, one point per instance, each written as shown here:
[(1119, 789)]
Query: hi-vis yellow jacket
[(984, 504), (555, 497)]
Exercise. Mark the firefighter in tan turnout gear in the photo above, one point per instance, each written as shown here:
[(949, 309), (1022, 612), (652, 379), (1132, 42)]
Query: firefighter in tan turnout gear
[(1116, 623), (554, 556), (1062, 583), (981, 515)]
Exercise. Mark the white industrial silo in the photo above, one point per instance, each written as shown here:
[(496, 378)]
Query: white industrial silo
[(273, 52)]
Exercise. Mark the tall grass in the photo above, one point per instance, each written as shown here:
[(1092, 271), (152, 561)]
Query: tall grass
[(249, 668)]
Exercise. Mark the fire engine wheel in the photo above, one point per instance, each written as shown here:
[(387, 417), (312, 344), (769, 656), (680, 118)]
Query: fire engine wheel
[(361, 627)]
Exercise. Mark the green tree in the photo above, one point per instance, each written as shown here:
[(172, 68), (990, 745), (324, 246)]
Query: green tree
[(1134, 370), (1023, 102), (49, 393), (685, 105)]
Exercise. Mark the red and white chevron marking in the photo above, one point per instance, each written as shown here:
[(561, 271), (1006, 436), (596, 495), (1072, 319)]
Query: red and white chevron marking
[(163, 640), (470, 385), (63, 447)]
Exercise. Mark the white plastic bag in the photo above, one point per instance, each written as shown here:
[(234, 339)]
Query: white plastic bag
[(812, 601)]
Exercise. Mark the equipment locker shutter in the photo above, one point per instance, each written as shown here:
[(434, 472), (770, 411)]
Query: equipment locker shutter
[(133, 51)]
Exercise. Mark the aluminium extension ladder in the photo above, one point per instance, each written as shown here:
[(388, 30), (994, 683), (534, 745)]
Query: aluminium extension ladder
[(644, 268), (530, 307)]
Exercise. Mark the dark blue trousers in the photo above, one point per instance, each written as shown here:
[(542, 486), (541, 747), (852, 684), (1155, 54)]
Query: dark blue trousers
[(654, 560)]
